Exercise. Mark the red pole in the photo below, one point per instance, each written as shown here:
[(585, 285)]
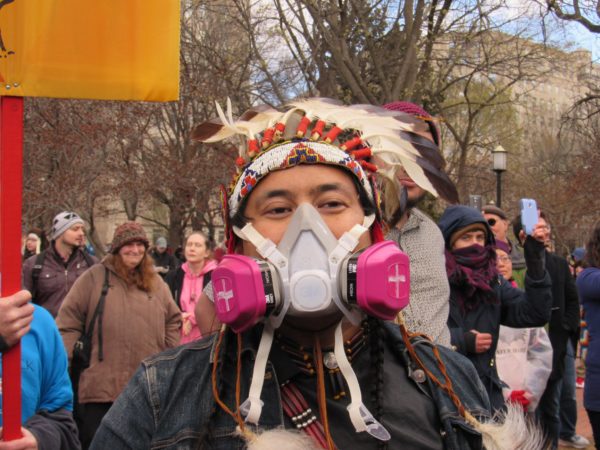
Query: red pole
[(11, 189)]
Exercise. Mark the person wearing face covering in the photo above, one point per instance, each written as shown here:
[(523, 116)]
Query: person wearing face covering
[(481, 300), (308, 355)]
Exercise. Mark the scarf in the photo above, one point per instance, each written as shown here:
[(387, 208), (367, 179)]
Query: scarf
[(471, 273)]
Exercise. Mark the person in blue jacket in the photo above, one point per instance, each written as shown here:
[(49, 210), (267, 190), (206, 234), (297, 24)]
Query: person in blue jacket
[(47, 396), (481, 299), (588, 284)]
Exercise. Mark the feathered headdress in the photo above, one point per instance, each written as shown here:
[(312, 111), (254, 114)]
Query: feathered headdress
[(309, 130)]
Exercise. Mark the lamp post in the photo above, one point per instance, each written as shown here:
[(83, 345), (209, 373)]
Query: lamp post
[(499, 166)]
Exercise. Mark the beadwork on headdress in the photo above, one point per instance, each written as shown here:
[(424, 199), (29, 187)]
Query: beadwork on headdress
[(324, 131)]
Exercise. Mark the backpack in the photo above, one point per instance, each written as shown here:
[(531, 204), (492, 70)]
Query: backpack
[(39, 264)]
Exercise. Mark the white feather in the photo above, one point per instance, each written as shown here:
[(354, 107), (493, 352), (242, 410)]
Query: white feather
[(249, 128), (229, 110), (390, 142), (512, 430), (398, 152), (222, 116), (279, 439)]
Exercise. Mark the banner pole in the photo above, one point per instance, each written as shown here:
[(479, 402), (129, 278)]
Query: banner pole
[(11, 188)]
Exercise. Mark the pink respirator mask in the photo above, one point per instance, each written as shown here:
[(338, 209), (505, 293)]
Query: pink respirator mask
[(308, 273)]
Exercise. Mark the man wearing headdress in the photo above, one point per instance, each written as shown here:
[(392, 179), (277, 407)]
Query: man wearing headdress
[(308, 355)]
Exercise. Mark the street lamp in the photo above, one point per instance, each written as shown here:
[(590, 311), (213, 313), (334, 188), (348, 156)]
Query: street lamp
[(499, 166)]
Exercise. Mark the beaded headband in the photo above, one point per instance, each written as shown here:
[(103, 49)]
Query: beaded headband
[(290, 154), (321, 130)]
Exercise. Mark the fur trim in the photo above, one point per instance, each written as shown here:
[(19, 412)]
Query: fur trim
[(511, 430), (277, 439), (506, 431)]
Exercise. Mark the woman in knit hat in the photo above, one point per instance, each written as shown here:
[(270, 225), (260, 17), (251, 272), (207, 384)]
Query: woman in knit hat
[(481, 300), (139, 319)]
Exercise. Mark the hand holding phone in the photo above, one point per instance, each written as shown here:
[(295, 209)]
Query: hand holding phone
[(475, 202), (529, 215)]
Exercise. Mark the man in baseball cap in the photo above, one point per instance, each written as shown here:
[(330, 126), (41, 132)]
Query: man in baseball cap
[(498, 221), (50, 274)]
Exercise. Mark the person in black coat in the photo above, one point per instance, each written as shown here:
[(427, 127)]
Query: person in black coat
[(164, 262), (563, 324), (481, 299)]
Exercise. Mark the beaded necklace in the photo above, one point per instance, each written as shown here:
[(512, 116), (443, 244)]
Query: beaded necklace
[(304, 359)]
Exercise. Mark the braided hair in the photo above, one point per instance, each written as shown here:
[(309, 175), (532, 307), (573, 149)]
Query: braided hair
[(376, 345)]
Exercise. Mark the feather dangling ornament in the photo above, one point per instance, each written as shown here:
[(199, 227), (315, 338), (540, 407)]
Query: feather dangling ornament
[(510, 430)]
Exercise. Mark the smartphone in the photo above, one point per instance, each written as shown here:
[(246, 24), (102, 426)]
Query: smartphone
[(529, 214), (475, 202)]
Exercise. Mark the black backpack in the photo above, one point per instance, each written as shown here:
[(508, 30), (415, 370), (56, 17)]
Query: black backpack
[(39, 264)]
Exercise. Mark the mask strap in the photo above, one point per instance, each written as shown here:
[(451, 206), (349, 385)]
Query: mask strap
[(252, 406), (360, 416), (349, 240), (368, 221), (346, 244), (265, 247), (268, 250)]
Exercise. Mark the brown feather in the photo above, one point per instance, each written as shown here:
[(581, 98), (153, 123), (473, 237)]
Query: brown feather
[(207, 129), (444, 186), (249, 114), (427, 149)]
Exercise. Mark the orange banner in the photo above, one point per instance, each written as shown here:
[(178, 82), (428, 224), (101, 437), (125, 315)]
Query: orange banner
[(96, 49)]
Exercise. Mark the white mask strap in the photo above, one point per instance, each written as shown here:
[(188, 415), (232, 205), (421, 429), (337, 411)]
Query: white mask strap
[(269, 251), (360, 416), (347, 244), (252, 406), (265, 247)]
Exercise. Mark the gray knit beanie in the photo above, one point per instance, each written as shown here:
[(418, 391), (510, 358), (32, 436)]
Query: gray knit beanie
[(62, 222)]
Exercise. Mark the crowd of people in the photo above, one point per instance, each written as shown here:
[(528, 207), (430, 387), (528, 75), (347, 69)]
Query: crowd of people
[(301, 337)]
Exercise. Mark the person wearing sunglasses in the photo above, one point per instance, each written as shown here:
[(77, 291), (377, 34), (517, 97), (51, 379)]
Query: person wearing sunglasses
[(498, 221)]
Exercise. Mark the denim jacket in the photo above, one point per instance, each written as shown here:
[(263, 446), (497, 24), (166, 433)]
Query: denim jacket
[(169, 402)]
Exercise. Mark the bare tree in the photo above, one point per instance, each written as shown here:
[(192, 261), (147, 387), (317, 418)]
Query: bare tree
[(583, 12), (67, 144), (450, 56)]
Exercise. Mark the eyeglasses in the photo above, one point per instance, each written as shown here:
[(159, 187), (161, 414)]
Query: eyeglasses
[(491, 222), (503, 259)]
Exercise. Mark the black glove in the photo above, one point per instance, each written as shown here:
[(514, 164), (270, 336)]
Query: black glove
[(535, 258), (469, 337), (3, 344)]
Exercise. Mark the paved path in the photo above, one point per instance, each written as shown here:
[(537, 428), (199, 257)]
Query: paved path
[(583, 424)]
